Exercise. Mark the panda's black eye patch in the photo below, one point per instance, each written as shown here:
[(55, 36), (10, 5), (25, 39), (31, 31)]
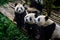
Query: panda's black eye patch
[(38, 19), (17, 8), (26, 19), (21, 9), (30, 18)]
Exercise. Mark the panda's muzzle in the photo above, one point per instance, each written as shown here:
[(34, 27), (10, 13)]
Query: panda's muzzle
[(19, 11)]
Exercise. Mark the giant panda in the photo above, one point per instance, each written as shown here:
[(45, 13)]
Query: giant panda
[(31, 27), (38, 4), (49, 29), (20, 12)]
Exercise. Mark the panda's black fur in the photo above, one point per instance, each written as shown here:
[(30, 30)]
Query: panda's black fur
[(36, 5), (33, 30), (19, 17), (46, 32)]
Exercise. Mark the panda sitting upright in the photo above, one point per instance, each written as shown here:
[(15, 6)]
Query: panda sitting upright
[(20, 12), (31, 27), (49, 29)]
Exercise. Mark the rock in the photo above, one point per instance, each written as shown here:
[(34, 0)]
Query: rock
[(7, 11)]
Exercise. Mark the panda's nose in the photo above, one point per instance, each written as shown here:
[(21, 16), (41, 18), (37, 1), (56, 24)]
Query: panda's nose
[(19, 10)]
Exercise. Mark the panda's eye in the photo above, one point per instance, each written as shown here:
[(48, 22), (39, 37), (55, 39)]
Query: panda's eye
[(38, 19), (30, 18), (26, 19), (21, 9), (17, 8)]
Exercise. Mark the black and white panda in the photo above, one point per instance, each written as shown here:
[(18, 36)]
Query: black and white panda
[(49, 29), (30, 25), (38, 4), (20, 12)]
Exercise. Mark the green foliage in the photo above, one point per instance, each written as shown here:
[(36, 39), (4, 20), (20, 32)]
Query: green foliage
[(9, 31), (3, 2), (53, 6)]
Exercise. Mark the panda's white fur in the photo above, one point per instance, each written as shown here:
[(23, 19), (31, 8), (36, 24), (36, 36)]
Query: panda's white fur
[(29, 23), (42, 21), (28, 16), (56, 33), (45, 23), (32, 28), (20, 8), (20, 12)]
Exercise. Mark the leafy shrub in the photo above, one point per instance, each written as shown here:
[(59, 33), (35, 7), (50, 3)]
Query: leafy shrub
[(9, 31), (3, 2)]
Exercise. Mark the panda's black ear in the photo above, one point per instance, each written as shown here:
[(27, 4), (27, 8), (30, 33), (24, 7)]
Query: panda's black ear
[(25, 6), (46, 18), (15, 4), (36, 13)]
